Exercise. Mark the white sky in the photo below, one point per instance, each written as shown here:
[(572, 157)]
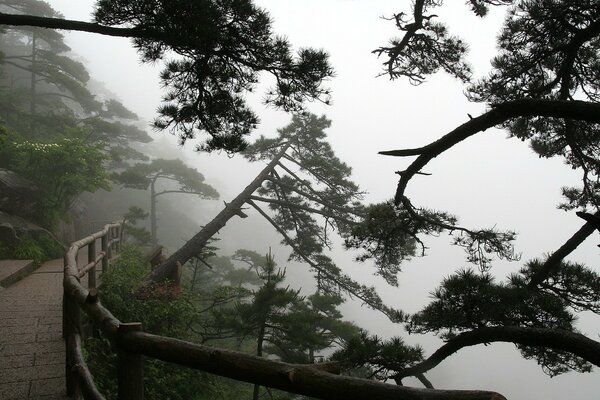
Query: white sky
[(487, 180)]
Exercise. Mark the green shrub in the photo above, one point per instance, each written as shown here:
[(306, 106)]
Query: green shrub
[(38, 248), (52, 249), (167, 317), (29, 249)]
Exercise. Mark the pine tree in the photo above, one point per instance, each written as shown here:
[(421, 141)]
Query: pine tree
[(280, 322), (543, 88), (302, 181), (222, 47), (46, 94), (144, 176)]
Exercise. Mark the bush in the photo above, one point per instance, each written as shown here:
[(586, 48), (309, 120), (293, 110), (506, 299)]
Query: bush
[(38, 248), (168, 317), (29, 249)]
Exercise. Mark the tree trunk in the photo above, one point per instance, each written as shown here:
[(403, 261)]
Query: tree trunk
[(153, 212), (259, 348), (32, 106), (168, 269)]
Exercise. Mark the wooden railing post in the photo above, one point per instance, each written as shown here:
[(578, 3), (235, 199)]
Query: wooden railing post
[(92, 258), (104, 244), (118, 236), (130, 367)]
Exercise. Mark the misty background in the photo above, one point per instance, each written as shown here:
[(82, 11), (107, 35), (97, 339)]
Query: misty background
[(486, 181)]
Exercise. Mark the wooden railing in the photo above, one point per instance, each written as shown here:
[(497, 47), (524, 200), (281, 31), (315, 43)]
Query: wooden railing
[(79, 380), (131, 344)]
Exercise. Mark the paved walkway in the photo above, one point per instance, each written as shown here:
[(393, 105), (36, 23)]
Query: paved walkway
[(32, 352)]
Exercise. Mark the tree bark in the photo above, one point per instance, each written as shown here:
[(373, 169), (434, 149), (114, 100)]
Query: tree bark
[(153, 211), (70, 25), (33, 108), (259, 351), (554, 260), (168, 269), (301, 379)]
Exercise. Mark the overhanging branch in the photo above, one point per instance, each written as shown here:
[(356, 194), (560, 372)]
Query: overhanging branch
[(71, 25), (570, 245), (577, 110), (574, 343)]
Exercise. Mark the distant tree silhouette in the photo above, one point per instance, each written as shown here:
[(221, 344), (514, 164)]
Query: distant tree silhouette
[(145, 175), (45, 92)]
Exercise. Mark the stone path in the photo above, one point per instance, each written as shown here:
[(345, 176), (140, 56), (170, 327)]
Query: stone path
[(32, 351)]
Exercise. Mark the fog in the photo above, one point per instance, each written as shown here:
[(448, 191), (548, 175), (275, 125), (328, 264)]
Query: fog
[(488, 180)]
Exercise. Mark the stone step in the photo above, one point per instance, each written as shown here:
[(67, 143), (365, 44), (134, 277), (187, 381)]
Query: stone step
[(12, 271)]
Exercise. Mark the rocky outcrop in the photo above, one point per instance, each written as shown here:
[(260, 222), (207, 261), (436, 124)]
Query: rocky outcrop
[(17, 194)]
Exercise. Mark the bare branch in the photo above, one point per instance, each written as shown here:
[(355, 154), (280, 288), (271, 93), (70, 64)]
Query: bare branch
[(578, 110), (570, 245), (556, 339)]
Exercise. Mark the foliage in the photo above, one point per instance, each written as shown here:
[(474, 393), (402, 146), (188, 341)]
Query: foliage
[(168, 317), (281, 322), (467, 301), (222, 47), (375, 358), (385, 236), (315, 326), (145, 175), (130, 231), (157, 315), (142, 175), (61, 171), (548, 56), (29, 249), (45, 93), (574, 284), (311, 193), (550, 50), (294, 329)]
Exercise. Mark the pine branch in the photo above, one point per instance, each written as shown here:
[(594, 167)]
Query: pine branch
[(304, 208), (315, 198), (166, 270), (562, 340), (182, 191), (567, 248), (71, 25), (577, 110), (392, 314)]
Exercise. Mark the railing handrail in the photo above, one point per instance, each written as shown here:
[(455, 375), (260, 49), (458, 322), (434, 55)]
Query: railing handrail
[(315, 380), (79, 379)]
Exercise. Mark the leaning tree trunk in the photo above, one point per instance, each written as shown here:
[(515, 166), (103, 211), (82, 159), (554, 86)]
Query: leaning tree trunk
[(169, 269)]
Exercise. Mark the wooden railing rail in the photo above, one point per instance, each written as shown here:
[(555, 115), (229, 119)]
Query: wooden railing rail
[(79, 380), (132, 344)]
